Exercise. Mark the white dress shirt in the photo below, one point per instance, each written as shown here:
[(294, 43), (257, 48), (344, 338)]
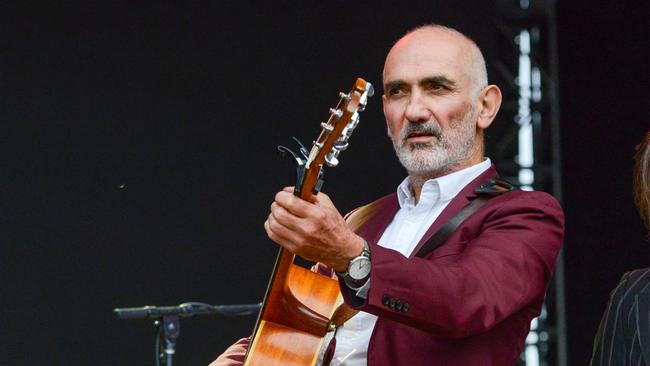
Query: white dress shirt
[(403, 234)]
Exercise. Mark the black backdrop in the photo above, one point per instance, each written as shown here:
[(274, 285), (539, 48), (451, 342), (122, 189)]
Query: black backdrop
[(138, 156)]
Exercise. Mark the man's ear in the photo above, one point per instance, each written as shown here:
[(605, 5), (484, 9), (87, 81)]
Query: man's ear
[(489, 102)]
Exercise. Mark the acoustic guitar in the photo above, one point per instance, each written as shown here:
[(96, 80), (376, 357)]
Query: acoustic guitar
[(299, 303)]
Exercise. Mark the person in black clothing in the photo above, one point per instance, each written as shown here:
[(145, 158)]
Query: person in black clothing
[(623, 336)]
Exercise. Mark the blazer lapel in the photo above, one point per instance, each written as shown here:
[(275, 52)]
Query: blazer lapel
[(457, 203)]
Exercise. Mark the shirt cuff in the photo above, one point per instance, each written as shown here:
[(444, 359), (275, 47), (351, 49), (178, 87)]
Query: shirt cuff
[(362, 291)]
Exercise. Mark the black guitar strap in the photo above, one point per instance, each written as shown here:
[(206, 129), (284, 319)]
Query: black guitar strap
[(492, 188)]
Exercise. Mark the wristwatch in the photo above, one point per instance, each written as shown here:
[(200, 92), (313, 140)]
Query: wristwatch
[(358, 269)]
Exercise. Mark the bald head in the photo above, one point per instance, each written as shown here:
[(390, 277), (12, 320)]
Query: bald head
[(437, 102), (445, 39)]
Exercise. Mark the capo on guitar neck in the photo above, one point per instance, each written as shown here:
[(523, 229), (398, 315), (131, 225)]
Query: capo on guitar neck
[(285, 152), (300, 177), (301, 161)]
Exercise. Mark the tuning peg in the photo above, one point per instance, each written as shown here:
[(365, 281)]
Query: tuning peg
[(349, 128), (370, 90), (331, 159), (327, 127), (347, 132), (341, 144), (342, 95), (336, 112), (354, 121)]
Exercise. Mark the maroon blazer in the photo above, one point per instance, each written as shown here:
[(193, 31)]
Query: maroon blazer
[(470, 301)]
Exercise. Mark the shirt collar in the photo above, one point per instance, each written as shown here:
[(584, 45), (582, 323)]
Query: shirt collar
[(446, 186)]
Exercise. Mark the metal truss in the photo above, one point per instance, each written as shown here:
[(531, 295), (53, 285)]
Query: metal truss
[(528, 147)]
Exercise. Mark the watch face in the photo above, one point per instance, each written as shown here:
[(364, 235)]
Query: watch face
[(359, 268)]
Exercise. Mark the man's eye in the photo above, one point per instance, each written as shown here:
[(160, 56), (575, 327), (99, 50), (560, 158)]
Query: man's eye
[(395, 91), (435, 87)]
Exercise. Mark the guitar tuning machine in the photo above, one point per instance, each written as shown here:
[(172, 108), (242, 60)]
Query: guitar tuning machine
[(367, 93), (331, 159), (327, 127), (370, 90), (341, 144), (336, 112), (349, 128), (354, 121)]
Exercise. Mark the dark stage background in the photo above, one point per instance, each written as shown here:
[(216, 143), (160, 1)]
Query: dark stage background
[(138, 164)]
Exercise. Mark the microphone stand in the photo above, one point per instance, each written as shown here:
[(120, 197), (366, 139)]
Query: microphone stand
[(170, 328)]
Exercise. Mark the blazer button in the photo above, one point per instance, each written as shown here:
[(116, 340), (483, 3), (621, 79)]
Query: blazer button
[(406, 307), (385, 299), (391, 303), (398, 305)]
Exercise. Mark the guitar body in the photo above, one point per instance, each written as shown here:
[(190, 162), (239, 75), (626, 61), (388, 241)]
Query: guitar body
[(299, 303), (294, 320)]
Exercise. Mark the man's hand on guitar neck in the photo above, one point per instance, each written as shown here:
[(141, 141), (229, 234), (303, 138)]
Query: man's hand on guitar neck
[(314, 230)]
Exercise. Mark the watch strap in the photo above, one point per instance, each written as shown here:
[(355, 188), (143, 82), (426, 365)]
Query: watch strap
[(365, 252)]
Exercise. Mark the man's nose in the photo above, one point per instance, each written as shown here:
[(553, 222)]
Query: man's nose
[(416, 109)]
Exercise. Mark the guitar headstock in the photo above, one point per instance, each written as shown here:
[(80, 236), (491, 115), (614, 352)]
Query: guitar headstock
[(334, 136), (338, 128)]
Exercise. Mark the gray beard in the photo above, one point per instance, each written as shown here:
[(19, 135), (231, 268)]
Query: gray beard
[(440, 156)]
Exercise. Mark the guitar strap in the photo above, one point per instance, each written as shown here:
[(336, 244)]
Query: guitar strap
[(492, 188)]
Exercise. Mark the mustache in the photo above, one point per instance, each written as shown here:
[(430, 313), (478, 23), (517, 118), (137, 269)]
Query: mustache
[(427, 128)]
